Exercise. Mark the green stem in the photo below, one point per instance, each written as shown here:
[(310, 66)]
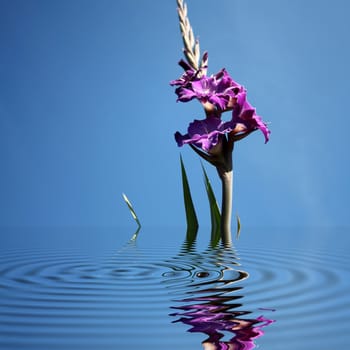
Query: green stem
[(225, 171), (223, 163), (226, 207)]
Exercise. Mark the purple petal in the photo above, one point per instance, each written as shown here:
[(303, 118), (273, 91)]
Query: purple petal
[(184, 94), (263, 127), (218, 89), (180, 139), (245, 114), (218, 101), (204, 133)]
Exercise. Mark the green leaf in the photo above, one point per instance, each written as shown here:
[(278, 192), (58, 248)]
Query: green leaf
[(134, 236), (215, 214), (191, 216), (133, 213)]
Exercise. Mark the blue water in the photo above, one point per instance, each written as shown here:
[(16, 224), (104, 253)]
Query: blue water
[(83, 288)]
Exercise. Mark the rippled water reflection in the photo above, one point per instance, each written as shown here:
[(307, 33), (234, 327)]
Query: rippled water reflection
[(213, 299), (94, 293)]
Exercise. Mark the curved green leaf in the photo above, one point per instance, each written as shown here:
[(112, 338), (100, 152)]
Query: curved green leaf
[(191, 216), (215, 214), (133, 213)]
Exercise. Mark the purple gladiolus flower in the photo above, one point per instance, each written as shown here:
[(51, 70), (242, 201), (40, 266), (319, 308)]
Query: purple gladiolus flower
[(189, 75), (218, 93), (246, 119), (205, 133), (218, 89)]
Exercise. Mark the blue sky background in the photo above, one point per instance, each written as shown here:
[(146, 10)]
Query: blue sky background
[(86, 111)]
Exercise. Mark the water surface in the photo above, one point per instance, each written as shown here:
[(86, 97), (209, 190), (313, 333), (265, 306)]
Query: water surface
[(95, 289)]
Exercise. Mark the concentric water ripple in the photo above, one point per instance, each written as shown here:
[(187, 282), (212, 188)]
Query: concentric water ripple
[(154, 298), (309, 289)]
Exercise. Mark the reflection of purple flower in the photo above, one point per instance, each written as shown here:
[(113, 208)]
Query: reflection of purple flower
[(213, 319), (204, 133), (246, 119)]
